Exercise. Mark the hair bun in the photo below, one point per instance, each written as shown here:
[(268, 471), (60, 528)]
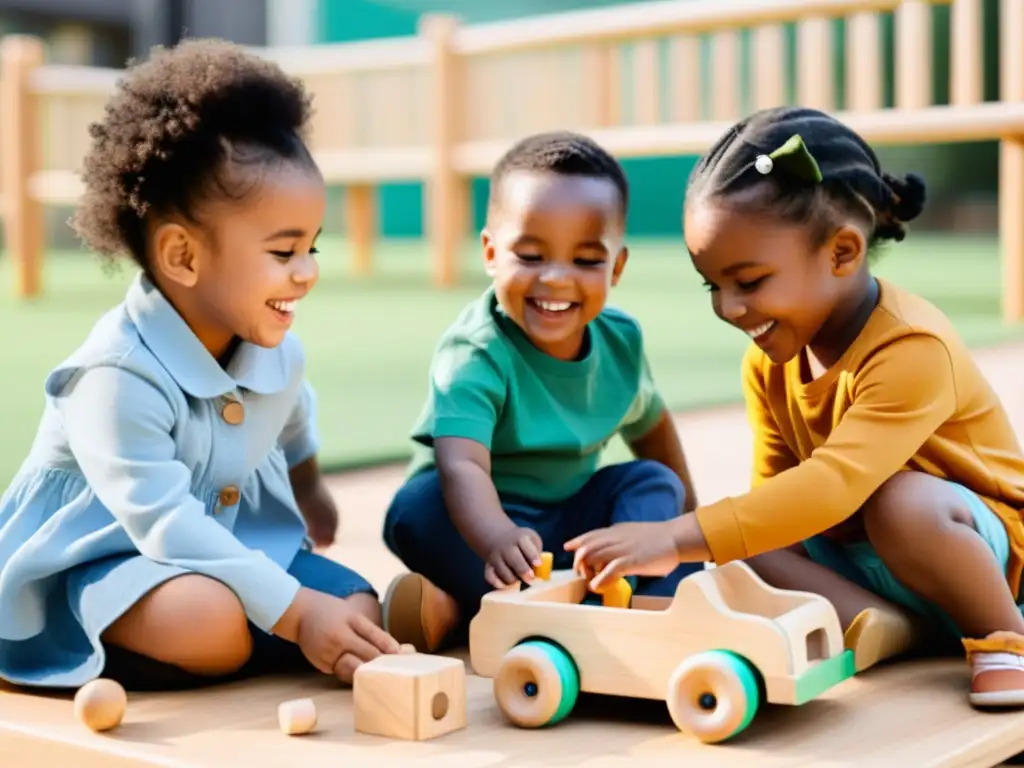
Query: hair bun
[(908, 194)]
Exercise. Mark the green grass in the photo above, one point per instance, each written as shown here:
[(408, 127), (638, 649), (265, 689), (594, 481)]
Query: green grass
[(369, 342)]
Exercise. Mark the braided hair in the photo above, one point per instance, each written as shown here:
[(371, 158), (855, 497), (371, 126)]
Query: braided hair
[(564, 153), (832, 175)]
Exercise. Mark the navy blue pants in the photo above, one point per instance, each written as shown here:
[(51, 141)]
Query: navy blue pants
[(418, 530)]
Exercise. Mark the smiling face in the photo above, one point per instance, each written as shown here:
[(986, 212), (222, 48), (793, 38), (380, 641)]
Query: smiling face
[(554, 247), (242, 271), (768, 278)]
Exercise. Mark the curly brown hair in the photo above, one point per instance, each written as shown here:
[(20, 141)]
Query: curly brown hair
[(177, 123)]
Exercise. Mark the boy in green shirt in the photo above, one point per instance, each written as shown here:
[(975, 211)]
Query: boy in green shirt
[(526, 388)]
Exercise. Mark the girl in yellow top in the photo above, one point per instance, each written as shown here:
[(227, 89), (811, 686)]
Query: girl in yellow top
[(886, 472)]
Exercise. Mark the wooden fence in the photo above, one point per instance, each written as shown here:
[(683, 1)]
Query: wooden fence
[(441, 106)]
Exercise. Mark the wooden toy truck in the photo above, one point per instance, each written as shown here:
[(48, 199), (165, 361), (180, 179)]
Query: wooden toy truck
[(726, 642)]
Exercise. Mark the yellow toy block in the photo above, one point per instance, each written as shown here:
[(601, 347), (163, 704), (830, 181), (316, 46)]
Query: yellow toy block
[(617, 594), (543, 571)]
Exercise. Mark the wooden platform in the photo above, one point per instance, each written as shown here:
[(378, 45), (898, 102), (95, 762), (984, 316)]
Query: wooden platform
[(912, 714)]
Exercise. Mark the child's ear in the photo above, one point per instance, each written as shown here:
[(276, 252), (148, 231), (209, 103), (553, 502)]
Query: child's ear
[(176, 254), (487, 241), (848, 250), (620, 264)]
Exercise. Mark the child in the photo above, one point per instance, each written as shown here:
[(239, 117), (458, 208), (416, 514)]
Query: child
[(526, 388), (881, 452), (153, 534)]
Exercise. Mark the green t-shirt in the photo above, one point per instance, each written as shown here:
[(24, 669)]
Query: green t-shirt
[(544, 420)]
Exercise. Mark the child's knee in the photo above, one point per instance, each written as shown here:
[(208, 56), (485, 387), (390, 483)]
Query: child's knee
[(416, 510), (908, 507), (219, 630), (194, 622), (656, 474), (416, 496)]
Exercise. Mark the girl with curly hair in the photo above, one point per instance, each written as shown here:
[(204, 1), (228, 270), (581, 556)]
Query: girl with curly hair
[(159, 531)]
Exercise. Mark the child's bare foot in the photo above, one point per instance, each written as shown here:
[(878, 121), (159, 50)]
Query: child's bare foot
[(877, 634), (418, 613), (997, 670)]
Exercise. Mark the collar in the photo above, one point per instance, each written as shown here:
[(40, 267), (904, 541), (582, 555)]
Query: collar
[(531, 353), (166, 334)]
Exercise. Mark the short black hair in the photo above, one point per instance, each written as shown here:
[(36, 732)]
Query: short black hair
[(561, 152), (176, 125), (852, 181)]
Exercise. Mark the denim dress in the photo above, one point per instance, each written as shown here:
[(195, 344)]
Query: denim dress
[(151, 461)]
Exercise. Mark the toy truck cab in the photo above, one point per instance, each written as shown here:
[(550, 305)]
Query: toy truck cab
[(724, 642)]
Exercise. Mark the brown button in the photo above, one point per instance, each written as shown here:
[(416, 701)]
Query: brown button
[(233, 413), (229, 496)]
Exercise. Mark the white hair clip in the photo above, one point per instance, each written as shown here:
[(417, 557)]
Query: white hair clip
[(764, 164)]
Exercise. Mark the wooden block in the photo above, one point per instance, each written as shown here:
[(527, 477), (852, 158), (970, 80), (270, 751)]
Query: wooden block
[(543, 571), (101, 704), (410, 696), (297, 717), (617, 594)]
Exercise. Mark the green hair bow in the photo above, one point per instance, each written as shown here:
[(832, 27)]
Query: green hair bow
[(793, 158)]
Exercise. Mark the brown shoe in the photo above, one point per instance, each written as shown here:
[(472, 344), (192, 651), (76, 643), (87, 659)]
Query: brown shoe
[(997, 670), (418, 613)]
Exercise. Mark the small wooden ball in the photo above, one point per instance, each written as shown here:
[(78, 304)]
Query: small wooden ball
[(297, 717), (407, 648), (100, 705)]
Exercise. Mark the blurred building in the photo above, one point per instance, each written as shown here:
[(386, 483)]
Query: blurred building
[(107, 32), (962, 177), (363, 19)]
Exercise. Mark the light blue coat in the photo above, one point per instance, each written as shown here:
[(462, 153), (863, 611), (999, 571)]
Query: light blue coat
[(135, 454)]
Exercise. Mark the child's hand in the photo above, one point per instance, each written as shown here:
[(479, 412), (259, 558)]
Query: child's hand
[(625, 549), (320, 513), (336, 638), (513, 557)]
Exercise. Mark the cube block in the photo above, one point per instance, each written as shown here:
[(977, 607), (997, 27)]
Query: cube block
[(410, 696)]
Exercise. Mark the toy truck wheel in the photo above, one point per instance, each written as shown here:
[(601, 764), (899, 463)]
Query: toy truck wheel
[(713, 695), (537, 684)]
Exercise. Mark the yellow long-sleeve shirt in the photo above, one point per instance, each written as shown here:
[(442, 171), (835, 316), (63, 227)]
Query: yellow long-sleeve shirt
[(906, 395)]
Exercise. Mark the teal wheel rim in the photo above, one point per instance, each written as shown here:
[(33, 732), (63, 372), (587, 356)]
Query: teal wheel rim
[(751, 686), (714, 695), (568, 676)]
